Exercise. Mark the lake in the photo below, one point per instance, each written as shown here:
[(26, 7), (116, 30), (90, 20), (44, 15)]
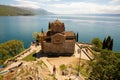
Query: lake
[(88, 27)]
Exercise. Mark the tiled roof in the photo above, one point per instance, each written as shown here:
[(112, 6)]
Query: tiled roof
[(43, 34), (69, 33)]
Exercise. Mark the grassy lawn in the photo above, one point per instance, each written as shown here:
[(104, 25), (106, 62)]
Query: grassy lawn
[(30, 57)]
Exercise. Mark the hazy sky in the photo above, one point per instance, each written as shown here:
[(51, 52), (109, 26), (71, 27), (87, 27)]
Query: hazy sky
[(69, 6)]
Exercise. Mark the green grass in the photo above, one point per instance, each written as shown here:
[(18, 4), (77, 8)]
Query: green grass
[(29, 57), (63, 67)]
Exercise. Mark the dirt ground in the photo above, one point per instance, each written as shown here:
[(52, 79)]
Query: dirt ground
[(70, 62), (65, 60), (62, 60)]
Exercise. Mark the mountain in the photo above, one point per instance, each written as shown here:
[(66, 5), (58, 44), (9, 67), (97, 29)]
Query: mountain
[(13, 11), (38, 11), (6, 10), (102, 14)]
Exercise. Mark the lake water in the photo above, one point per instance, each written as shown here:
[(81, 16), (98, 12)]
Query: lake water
[(89, 27)]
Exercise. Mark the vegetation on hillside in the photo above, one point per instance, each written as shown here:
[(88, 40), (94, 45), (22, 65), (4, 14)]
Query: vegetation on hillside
[(97, 44), (13, 11), (106, 66), (107, 43), (10, 49)]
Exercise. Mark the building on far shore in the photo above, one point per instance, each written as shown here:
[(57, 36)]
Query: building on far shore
[(57, 41)]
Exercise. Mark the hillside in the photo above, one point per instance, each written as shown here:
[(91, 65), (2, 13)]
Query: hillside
[(13, 11), (18, 11), (38, 11)]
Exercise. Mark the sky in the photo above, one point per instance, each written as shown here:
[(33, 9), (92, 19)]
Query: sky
[(69, 6)]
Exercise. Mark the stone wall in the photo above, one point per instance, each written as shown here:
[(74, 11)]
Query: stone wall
[(58, 38), (67, 47), (57, 27)]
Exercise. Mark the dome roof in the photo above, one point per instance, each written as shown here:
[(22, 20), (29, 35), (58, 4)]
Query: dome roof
[(57, 22)]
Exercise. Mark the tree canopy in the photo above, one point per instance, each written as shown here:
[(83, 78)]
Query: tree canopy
[(10, 49), (106, 66), (98, 44)]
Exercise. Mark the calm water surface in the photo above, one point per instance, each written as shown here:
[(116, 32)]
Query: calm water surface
[(89, 27)]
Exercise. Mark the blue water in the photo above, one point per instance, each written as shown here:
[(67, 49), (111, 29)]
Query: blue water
[(89, 27)]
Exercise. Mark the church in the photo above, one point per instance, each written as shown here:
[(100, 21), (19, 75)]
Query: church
[(57, 41)]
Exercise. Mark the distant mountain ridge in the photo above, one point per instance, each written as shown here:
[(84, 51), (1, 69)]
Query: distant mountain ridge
[(100, 14), (13, 11), (6, 10), (38, 11)]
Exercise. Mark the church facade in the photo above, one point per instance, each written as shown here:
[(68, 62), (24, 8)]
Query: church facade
[(57, 41)]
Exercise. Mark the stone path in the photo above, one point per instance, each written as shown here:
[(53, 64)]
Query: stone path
[(50, 67), (32, 49), (18, 59), (86, 52)]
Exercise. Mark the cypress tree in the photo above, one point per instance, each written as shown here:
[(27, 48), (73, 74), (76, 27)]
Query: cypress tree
[(49, 26), (108, 43), (77, 37), (104, 45), (111, 45), (42, 30)]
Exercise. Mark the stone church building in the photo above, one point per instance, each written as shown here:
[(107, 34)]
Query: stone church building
[(57, 41)]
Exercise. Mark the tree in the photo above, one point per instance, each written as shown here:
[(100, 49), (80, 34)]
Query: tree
[(105, 67), (3, 55), (10, 49), (108, 43), (77, 36), (104, 45), (111, 45), (98, 44), (42, 30), (49, 26), (36, 36)]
